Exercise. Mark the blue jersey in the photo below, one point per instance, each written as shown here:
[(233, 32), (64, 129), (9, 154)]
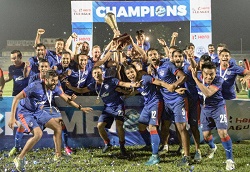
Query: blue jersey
[(145, 46), (216, 99), (55, 57), (35, 96), (80, 78), (166, 73), (107, 92), (34, 78), (34, 63), (229, 75), (18, 79), (149, 91), (190, 84)]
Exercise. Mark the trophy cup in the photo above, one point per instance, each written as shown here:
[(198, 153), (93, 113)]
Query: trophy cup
[(121, 40)]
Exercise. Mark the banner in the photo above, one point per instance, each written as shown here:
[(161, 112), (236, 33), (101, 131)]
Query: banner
[(86, 16), (83, 131)]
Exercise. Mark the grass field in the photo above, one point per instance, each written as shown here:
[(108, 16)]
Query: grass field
[(92, 160)]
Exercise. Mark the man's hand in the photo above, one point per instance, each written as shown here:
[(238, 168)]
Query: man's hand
[(175, 34), (162, 42), (27, 64), (12, 123), (87, 109), (180, 90), (40, 31), (194, 73), (74, 35)]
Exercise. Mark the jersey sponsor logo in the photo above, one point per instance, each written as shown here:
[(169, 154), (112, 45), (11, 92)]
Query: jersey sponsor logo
[(144, 93), (40, 103), (105, 94), (19, 78)]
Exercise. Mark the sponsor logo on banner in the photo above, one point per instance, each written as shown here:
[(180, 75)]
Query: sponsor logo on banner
[(81, 11), (202, 37), (200, 10), (82, 38), (239, 123), (200, 50)]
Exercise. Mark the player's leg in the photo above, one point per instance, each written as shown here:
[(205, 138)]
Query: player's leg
[(18, 140), (55, 126), (121, 135)]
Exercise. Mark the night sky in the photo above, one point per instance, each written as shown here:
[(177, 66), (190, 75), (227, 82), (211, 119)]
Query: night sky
[(20, 19)]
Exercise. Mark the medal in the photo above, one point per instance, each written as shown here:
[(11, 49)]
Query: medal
[(49, 97), (97, 101)]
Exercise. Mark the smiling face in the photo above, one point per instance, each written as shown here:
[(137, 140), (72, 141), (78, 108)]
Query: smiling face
[(153, 57), (224, 57), (208, 75), (82, 61), (59, 46), (43, 67), (17, 61), (40, 52), (131, 74), (178, 59), (51, 82), (97, 74), (65, 60)]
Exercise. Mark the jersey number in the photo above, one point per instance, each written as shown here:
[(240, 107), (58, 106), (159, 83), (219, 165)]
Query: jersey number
[(223, 118)]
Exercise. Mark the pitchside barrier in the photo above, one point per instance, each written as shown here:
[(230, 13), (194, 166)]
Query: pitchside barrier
[(82, 129)]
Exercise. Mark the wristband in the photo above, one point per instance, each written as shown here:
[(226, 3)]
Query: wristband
[(1, 91), (164, 45), (79, 107), (69, 100)]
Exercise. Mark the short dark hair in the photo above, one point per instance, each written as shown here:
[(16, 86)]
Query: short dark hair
[(206, 57), (59, 39), (66, 52), (151, 49), (208, 65), (40, 45), (43, 61), (140, 32), (96, 67), (18, 52), (177, 50), (50, 73), (225, 50), (222, 45), (209, 45)]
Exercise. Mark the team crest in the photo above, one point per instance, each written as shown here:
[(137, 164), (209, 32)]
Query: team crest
[(106, 86), (161, 72), (31, 124), (229, 72)]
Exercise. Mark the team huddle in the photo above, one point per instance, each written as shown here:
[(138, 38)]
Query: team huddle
[(178, 88)]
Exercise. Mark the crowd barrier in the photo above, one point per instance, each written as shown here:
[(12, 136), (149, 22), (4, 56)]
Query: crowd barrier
[(82, 127)]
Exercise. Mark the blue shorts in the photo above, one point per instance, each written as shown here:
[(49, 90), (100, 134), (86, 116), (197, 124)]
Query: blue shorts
[(213, 117), (151, 114), (193, 106), (176, 110), (55, 112), (31, 120), (109, 114)]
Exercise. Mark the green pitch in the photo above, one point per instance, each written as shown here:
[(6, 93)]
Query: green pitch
[(93, 160)]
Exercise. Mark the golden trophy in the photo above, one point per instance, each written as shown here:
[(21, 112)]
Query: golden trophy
[(121, 40), (110, 19)]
